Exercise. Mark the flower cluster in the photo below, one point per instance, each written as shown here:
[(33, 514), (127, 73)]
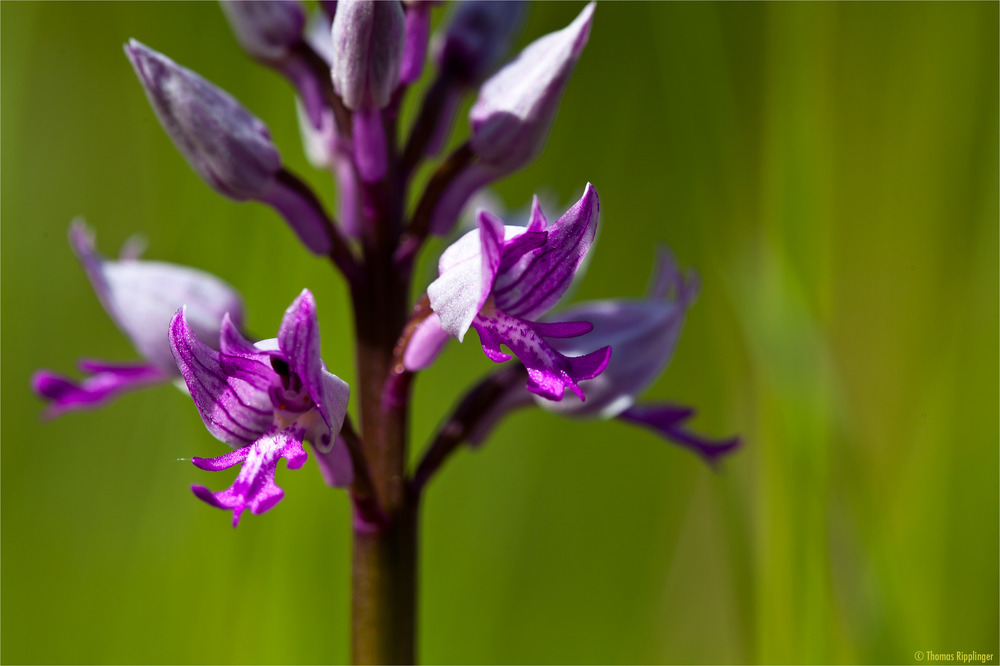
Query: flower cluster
[(351, 66)]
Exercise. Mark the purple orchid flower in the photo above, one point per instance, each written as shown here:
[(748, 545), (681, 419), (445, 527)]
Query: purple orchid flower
[(265, 399), (500, 280), (644, 333), (140, 297), (514, 112)]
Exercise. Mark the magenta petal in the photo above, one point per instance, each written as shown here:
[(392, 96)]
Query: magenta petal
[(231, 341), (477, 38), (254, 487), (550, 373), (468, 269), (669, 421), (227, 390), (532, 285), (107, 381), (298, 340)]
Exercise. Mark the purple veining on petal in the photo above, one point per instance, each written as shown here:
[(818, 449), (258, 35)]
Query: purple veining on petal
[(532, 285), (299, 342), (670, 421), (234, 410), (468, 269), (254, 487), (550, 373), (106, 381)]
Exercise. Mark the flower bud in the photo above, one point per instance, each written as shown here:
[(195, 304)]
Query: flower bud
[(477, 38), (516, 106), (266, 29), (230, 148), (368, 44)]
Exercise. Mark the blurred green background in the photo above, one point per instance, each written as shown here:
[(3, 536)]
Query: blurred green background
[(829, 169)]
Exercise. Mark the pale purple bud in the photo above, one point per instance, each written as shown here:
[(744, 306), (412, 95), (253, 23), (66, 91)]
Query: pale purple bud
[(517, 105), (266, 29), (230, 148), (477, 38), (368, 44)]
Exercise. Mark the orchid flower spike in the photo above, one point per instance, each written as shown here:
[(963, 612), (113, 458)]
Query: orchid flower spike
[(264, 399), (368, 39), (500, 280), (514, 112), (140, 297), (230, 148)]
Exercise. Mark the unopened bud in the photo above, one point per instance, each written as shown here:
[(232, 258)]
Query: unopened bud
[(517, 105), (230, 148)]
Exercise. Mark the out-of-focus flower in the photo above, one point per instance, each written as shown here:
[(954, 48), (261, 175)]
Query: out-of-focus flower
[(501, 280), (265, 399), (140, 297), (643, 333)]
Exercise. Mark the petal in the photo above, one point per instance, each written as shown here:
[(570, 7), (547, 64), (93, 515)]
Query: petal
[(142, 297), (298, 340), (229, 391), (107, 382), (669, 421), (425, 344), (549, 372), (254, 487), (531, 285), (232, 342), (468, 269)]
